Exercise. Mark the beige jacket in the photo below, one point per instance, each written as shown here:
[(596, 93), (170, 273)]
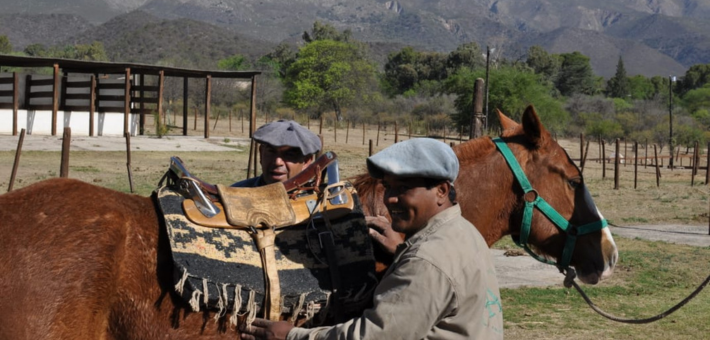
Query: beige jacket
[(441, 286)]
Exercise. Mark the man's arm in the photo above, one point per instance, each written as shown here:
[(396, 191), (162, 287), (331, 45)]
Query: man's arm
[(408, 303)]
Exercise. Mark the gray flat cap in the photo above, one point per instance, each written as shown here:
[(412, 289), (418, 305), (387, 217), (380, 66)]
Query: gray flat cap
[(419, 157), (288, 133)]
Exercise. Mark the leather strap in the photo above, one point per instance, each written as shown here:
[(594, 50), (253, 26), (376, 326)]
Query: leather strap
[(325, 235), (272, 301)]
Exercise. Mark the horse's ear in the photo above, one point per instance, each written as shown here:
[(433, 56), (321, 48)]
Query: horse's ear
[(505, 122), (534, 131)]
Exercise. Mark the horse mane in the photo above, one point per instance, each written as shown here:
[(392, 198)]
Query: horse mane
[(367, 189), (472, 150)]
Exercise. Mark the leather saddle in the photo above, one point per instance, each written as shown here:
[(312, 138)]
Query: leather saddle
[(276, 205), (262, 210)]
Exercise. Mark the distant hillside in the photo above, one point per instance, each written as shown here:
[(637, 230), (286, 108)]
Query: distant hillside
[(510, 26), (95, 11), (655, 37), (604, 52), (46, 29), (142, 38), (685, 39)]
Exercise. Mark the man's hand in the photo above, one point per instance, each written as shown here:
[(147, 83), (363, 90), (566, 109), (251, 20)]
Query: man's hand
[(265, 329), (381, 231)]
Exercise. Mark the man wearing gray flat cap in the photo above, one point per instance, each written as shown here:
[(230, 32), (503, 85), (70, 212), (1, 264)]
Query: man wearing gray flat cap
[(442, 283), (285, 149)]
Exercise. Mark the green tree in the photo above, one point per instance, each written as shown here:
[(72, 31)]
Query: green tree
[(5, 45), (326, 32), (36, 50), (329, 74), (512, 91), (618, 86), (400, 72), (697, 99), (545, 64), (575, 75), (408, 71), (607, 129), (466, 55), (94, 52), (280, 59), (660, 87), (641, 88), (696, 76), (236, 62)]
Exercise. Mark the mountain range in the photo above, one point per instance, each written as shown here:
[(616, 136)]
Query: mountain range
[(654, 37)]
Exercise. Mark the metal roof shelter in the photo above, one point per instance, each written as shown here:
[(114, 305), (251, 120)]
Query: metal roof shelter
[(95, 68)]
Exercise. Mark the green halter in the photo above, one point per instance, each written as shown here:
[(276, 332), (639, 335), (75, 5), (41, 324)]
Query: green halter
[(544, 207)]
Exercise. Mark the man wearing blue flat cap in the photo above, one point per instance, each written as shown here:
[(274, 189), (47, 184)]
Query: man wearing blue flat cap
[(442, 284), (285, 149)]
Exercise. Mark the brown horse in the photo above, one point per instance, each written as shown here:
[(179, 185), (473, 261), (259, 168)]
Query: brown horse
[(494, 202), (82, 262)]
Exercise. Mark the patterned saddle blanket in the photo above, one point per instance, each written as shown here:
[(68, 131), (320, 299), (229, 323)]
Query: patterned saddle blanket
[(221, 269)]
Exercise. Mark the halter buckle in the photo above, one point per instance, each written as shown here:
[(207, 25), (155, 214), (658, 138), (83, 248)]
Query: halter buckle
[(531, 196)]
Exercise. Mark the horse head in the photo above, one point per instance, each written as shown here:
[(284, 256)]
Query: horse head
[(570, 229), (553, 215)]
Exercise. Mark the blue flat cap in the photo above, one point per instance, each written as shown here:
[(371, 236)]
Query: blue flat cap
[(419, 157), (288, 133)]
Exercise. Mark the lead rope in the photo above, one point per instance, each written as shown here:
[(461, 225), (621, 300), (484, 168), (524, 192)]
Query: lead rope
[(569, 282)]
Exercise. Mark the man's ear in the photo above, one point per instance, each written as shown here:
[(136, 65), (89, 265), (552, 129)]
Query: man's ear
[(442, 192)]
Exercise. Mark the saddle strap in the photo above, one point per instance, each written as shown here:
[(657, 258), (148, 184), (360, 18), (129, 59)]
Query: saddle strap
[(325, 235), (272, 301)]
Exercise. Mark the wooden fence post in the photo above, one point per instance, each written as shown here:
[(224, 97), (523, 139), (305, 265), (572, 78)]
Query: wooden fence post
[(18, 152), (378, 134), (15, 101), (658, 169), (581, 150), (363, 133), (600, 150), (55, 100), (636, 163), (396, 132), (603, 146), (128, 159), (695, 165), (645, 157), (66, 144), (584, 157), (616, 166), (320, 125)]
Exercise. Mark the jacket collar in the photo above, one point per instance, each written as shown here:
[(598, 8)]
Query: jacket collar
[(435, 223)]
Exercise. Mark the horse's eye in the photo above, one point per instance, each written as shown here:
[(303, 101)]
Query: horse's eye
[(574, 182)]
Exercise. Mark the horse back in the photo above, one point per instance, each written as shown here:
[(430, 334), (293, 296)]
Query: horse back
[(64, 261)]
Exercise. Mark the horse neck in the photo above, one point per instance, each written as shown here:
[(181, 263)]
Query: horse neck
[(484, 188)]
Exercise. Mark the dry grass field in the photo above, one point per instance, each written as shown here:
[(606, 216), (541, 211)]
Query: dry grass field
[(651, 276)]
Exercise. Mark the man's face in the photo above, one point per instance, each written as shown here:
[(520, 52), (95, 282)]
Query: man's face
[(281, 163), (410, 203)]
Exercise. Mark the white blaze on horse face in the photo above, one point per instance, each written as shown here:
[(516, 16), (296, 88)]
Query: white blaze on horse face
[(611, 253)]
